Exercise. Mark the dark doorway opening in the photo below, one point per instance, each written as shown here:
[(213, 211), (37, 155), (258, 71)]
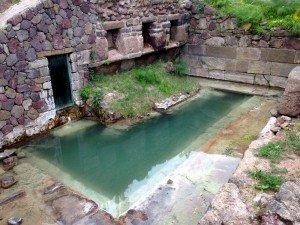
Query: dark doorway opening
[(112, 36), (146, 34), (173, 29), (60, 79)]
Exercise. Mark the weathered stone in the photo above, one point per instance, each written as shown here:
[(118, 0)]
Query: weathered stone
[(17, 111), (248, 53), (27, 104), (11, 60), (25, 24), (281, 55), (222, 52), (4, 115), (281, 69), (215, 41), (78, 32), (10, 93), (8, 105), (113, 25), (290, 104), (22, 35), (33, 114), (3, 38), (208, 10), (259, 67), (31, 55)]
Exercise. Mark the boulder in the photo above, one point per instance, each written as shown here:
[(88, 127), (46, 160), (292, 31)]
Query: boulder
[(290, 102)]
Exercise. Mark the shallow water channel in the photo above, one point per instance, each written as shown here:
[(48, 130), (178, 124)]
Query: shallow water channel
[(116, 166)]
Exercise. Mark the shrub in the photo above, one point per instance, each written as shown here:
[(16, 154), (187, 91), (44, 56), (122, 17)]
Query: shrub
[(266, 181)]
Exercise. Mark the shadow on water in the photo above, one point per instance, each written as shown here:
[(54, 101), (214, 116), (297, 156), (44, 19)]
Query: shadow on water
[(109, 160)]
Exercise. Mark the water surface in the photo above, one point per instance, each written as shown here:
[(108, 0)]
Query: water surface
[(119, 165)]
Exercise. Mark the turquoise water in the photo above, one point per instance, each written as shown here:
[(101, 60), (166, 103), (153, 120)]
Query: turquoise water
[(116, 163)]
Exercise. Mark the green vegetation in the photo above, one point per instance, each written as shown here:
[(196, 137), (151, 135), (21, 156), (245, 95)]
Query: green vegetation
[(266, 180), (251, 13), (272, 151), (142, 87), (293, 141)]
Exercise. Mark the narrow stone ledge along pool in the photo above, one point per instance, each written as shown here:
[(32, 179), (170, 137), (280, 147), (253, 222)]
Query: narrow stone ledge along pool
[(116, 166)]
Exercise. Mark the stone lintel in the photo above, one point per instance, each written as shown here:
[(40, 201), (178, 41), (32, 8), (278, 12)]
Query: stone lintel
[(149, 19), (55, 52), (174, 17), (113, 25)]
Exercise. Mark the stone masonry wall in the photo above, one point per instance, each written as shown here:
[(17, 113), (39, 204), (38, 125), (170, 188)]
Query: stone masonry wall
[(79, 29), (219, 49)]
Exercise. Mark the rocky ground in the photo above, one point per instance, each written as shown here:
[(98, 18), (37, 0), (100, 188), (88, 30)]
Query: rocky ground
[(239, 203)]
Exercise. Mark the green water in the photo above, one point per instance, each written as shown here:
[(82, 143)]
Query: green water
[(120, 164)]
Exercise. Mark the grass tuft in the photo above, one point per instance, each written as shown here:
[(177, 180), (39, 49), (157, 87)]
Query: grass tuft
[(266, 180), (272, 151)]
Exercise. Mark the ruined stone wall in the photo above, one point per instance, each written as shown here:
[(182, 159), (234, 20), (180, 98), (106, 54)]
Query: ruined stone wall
[(80, 29), (219, 49)]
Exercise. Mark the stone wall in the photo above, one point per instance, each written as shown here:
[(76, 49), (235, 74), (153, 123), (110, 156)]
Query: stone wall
[(219, 49), (80, 29)]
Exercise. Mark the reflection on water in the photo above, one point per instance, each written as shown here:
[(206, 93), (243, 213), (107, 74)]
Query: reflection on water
[(122, 164)]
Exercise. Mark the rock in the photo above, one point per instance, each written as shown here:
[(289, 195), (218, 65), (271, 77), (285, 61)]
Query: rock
[(170, 68), (271, 220), (227, 208), (53, 188), (7, 153), (7, 182), (286, 118), (13, 197), (9, 163), (290, 103), (275, 129), (215, 41), (274, 112), (108, 98), (14, 221), (169, 102), (21, 155), (286, 202)]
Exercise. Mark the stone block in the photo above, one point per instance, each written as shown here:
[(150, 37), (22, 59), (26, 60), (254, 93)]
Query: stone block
[(281, 69), (202, 72), (111, 25), (157, 39), (259, 67), (179, 33), (197, 50), (214, 63), (230, 65), (174, 17), (202, 24), (215, 41), (242, 66), (281, 55), (216, 74), (101, 50), (248, 53), (221, 52), (4, 115), (38, 63), (239, 77), (130, 45)]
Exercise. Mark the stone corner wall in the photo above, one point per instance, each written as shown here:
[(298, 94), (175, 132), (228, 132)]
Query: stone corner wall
[(81, 30), (219, 49)]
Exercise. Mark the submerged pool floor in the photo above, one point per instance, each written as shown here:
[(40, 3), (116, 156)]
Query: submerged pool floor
[(117, 166)]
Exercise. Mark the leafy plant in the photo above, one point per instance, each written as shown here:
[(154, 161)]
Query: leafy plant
[(85, 93), (266, 180), (272, 151), (97, 98)]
